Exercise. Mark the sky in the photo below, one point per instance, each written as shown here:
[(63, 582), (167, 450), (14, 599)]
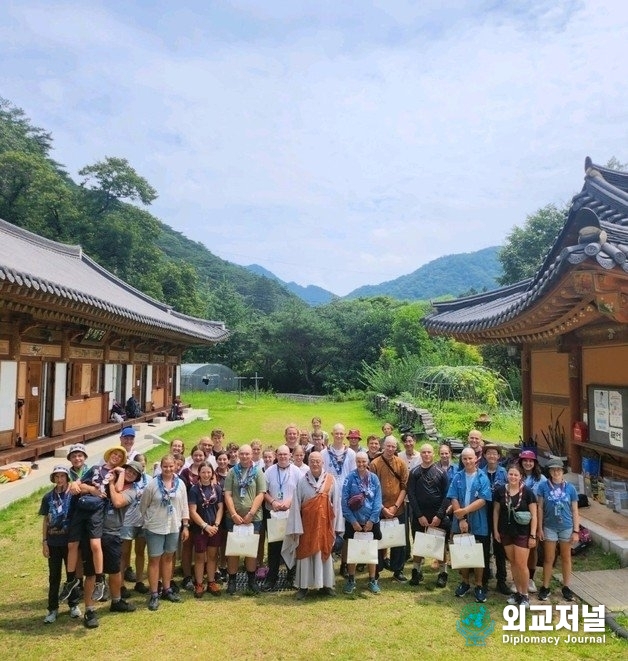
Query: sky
[(334, 143)]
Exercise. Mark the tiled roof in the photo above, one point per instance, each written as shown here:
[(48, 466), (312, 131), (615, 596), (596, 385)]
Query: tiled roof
[(40, 265), (602, 204)]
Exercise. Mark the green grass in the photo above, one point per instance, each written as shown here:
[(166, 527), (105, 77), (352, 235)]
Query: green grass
[(401, 623)]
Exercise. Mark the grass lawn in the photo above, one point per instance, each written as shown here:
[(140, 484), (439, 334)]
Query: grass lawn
[(401, 623)]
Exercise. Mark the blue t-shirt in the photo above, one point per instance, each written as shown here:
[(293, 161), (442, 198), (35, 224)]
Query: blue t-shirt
[(557, 500), (480, 489)]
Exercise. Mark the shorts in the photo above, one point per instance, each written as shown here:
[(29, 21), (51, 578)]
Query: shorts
[(111, 552), (257, 526), (516, 540), (86, 523), (349, 531), (131, 532), (157, 544), (552, 535), (202, 542)]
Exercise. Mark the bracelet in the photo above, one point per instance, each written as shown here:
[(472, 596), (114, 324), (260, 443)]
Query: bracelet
[(185, 525), (205, 527)]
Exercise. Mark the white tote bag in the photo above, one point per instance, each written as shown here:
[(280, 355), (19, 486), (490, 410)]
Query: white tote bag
[(393, 534), (429, 546), (242, 545), (466, 553), (362, 551), (276, 527)]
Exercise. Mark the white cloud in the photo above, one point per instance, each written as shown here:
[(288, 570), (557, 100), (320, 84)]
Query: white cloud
[(275, 132)]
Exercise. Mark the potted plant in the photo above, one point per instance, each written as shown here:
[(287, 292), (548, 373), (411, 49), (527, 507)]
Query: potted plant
[(556, 438)]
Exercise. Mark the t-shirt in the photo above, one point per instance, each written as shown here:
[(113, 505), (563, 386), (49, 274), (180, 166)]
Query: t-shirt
[(114, 516), (243, 487), (506, 523), (207, 499), (57, 508), (557, 500)]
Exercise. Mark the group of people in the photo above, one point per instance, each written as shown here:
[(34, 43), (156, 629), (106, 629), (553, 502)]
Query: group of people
[(324, 490)]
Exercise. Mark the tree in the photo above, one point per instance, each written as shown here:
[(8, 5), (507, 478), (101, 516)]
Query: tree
[(527, 246), (114, 180)]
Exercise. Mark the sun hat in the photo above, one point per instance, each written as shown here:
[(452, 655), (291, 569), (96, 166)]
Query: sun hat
[(115, 448), (555, 463), (527, 454), (354, 433), (59, 469), (77, 447), (137, 467)]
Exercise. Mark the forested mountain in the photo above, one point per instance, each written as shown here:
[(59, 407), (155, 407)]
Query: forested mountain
[(450, 274), (311, 294)]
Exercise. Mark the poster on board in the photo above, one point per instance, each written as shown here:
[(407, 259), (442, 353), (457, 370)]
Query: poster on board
[(601, 413)]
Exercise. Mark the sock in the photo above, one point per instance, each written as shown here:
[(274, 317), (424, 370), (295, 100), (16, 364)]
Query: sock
[(100, 578), (250, 575), (232, 577), (71, 576), (115, 601)]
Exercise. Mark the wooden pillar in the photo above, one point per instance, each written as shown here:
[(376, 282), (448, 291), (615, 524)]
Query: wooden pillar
[(574, 452), (526, 392)]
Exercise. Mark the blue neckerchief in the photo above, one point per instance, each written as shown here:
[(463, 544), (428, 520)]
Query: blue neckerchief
[(166, 495), (244, 481)]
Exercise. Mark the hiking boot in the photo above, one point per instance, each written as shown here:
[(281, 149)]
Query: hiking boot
[(51, 617), (480, 594), (231, 585), (188, 584), (373, 586), (153, 602), (544, 593), (125, 593), (121, 606), (441, 581), (349, 587), (399, 577), (129, 575), (326, 592), (214, 589), (417, 576), (199, 590), (252, 585), (67, 588), (502, 588), (75, 612), (90, 620), (140, 588), (567, 593), (514, 599), (462, 589), (99, 591), (301, 594), (171, 595)]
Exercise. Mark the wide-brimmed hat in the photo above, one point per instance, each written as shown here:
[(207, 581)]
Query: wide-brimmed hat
[(115, 448), (492, 446), (528, 454), (77, 447), (555, 463), (59, 469), (137, 467), (354, 433)]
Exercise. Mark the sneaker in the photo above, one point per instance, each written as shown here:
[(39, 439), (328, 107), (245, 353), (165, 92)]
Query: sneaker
[(253, 586), (480, 594), (231, 586), (75, 612), (140, 588), (349, 587), (417, 576), (399, 577), (129, 575), (121, 606), (153, 602), (462, 589), (544, 593), (327, 592), (514, 599), (301, 594), (99, 591), (269, 585), (441, 581), (531, 586), (51, 617), (105, 594), (90, 620), (525, 601), (174, 587), (171, 595), (188, 584), (373, 586), (567, 593), (502, 588), (214, 589), (125, 593), (66, 589)]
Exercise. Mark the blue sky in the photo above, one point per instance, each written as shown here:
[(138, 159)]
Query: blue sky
[(334, 143)]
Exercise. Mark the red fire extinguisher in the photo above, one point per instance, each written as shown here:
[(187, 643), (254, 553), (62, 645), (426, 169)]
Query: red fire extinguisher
[(580, 432)]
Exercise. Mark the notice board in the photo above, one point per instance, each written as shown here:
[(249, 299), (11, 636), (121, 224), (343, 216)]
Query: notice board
[(608, 416)]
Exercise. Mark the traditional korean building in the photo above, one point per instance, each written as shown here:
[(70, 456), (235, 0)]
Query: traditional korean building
[(570, 323), (74, 338)]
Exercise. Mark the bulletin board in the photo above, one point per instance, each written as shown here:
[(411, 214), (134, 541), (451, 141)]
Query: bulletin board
[(608, 416)]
